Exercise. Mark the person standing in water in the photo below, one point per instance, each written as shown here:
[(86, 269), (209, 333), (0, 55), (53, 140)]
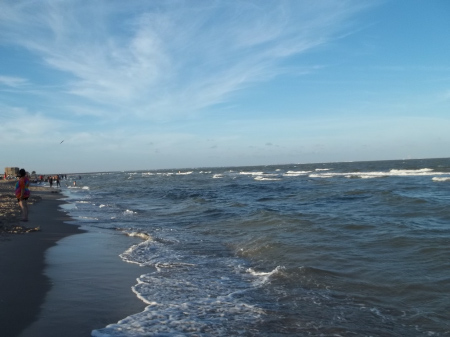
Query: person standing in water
[(22, 193)]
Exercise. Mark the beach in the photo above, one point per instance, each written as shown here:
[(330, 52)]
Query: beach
[(348, 249), (55, 294)]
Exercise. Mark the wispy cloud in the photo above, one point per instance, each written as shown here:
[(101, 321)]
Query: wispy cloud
[(163, 58), (13, 82), (26, 126)]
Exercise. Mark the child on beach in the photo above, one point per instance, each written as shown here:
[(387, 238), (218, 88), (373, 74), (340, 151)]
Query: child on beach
[(22, 193)]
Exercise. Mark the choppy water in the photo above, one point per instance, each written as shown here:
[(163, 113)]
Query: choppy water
[(338, 249)]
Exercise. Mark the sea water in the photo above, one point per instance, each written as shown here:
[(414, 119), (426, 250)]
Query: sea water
[(334, 249)]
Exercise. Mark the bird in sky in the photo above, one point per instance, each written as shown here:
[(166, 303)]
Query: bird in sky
[(61, 141)]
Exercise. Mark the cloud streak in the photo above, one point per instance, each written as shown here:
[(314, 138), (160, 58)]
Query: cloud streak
[(163, 59), (13, 82)]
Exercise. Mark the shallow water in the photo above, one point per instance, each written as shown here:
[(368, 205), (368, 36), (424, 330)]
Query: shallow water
[(337, 249)]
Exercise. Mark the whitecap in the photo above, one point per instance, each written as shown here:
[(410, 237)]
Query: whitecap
[(295, 173), (184, 173), (264, 277), (441, 179), (251, 173), (424, 171), (379, 174)]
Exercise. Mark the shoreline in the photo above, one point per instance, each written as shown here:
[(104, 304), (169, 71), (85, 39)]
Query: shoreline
[(60, 280), (22, 257)]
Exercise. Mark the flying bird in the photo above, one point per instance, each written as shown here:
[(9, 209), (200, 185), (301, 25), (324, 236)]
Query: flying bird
[(61, 141)]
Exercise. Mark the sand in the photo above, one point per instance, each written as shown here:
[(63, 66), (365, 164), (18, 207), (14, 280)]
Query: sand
[(60, 280)]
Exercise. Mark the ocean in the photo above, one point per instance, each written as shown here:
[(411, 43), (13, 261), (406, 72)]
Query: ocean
[(328, 249)]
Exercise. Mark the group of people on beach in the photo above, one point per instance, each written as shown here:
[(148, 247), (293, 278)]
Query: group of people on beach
[(53, 179), (56, 179)]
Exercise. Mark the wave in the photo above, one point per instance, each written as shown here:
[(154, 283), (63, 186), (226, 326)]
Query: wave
[(137, 254), (189, 307), (411, 172), (379, 174), (172, 265), (441, 179), (295, 173), (266, 178), (128, 212), (187, 294), (264, 277), (143, 235), (251, 173), (261, 176)]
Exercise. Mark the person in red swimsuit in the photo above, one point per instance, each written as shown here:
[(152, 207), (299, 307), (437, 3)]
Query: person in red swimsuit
[(23, 193)]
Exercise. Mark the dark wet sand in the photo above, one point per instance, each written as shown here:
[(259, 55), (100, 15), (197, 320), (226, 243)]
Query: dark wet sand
[(62, 281)]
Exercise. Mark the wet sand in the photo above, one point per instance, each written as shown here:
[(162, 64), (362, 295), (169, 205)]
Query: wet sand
[(60, 280)]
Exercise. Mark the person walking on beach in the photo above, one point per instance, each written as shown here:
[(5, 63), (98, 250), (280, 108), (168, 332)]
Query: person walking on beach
[(22, 193)]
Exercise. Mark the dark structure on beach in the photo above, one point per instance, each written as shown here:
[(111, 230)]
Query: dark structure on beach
[(12, 171)]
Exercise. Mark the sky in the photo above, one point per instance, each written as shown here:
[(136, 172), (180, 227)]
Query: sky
[(111, 85)]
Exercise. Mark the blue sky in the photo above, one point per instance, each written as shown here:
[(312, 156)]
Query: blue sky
[(143, 84)]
